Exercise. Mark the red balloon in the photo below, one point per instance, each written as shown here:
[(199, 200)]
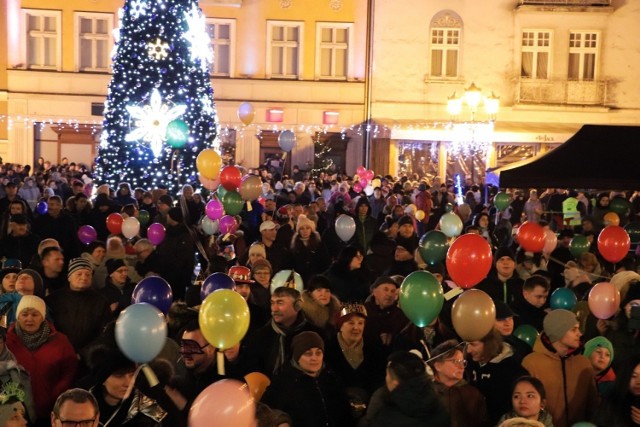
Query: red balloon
[(614, 243), (230, 177), (469, 260), (531, 236), (604, 300), (114, 223)]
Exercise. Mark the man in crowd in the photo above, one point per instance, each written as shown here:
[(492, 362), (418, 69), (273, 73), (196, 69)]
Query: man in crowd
[(384, 318), (75, 407), (277, 254), (530, 307), (52, 260)]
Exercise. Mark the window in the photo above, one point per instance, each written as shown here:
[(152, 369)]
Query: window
[(583, 53), (444, 46), (94, 41), (42, 42), (536, 53), (332, 50), (284, 49), (222, 33)]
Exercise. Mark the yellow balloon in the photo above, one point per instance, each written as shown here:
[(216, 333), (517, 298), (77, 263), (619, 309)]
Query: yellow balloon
[(224, 318), (246, 113), (209, 163), (375, 183), (258, 383), (420, 215)]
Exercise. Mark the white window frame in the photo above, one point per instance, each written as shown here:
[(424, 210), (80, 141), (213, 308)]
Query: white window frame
[(334, 46), (535, 50), (25, 13), (109, 37), (231, 44), (581, 51), (300, 45), (445, 48)]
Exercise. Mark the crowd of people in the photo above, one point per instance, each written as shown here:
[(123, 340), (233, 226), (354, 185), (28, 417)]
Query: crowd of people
[(337, 351)]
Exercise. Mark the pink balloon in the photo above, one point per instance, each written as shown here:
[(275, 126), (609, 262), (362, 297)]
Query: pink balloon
[(361, 171), (357, 187), (228, 224), (550, 241), (363, 182), (214, 209), (369, 175), (87, 234), (222, 404), (604, 300), (156, 233)]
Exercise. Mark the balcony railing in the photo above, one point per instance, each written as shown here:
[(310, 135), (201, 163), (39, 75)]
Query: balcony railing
[(562, 92), (566, 2)]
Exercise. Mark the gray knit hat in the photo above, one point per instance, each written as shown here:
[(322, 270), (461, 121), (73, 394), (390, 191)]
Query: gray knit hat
[(79, 264), (557, 323)]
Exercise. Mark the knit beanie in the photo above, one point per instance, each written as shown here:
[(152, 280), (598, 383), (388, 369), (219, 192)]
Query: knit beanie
[(504, 252), (303, 220), (405, 219), (8, 410), (383, 280), (79, 264), (32, 301), (261, 263), (557, 323), (633, 293), (113, 264), (303, 342), (591, 345), (38, 284)]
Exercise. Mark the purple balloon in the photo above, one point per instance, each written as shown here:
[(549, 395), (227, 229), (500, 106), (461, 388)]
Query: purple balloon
[(214, 209), (42, 207), (87, 234), (153, 290), (155, 233), (228, 224), (214, 282)]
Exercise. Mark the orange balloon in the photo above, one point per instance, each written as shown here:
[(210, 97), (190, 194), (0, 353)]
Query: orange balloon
[(209, 163), (611, 218), (258, 383)]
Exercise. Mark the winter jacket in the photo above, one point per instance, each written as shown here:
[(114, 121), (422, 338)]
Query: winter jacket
[(52, 367), (464, 403), (321, 316), (568, 380), (348, 285), (544, 417)]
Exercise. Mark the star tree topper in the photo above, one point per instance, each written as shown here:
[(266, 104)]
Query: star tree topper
[(151, 121)]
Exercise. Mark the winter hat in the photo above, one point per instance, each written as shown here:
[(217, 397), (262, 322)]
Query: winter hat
[(176, 214), (318, 282), (348, 311), (113, 264), (259, 264), (38, 288), (268, 225), (557, 323), (382, 280), (13, 406), (599, 341), (303, 220), (504, 252), (79, 264), (503, 311), (105, 360), (405, 219), (422, 187), (10, 265), (621, 281), (305, 341), (633, 293), (32, 301), (165, 199)]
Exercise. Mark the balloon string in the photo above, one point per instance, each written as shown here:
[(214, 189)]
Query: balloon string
[(220, 362), (557, 261), (249, 208)]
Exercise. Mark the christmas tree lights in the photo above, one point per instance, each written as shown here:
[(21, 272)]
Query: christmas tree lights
[(160, 82)]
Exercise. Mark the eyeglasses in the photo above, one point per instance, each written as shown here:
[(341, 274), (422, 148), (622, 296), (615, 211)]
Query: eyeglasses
[(461, 363), (82, 423), (191, 347)]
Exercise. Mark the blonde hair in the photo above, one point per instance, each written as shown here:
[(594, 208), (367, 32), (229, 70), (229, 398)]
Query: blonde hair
[(257, 248)]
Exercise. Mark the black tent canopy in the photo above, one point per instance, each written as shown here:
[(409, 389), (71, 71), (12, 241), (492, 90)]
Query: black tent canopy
[(596, 157)]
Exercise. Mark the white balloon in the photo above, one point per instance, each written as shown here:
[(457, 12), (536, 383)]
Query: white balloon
[(283, 278), (246, 113), (368, 190), (130, 227), (210, 226), (287, 140), (345, 227)]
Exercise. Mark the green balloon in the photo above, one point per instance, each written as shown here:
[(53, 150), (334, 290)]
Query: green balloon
[(633, 229), (177, 133), (221, 191), (579, 245), (433, 246), (232, 202), (620, 206), (501, 201), (526, 333), (421, 297), (143, 217)]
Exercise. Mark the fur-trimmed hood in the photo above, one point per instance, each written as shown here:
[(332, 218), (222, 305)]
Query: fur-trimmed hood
[(321, 316)]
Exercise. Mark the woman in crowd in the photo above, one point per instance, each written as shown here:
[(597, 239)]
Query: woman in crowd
[(261, 273), (95, 253), (309, 255), (45, 353), (28, 282), (9, 274), (256, 251), (528, 399), (319, 304), (348, 279)]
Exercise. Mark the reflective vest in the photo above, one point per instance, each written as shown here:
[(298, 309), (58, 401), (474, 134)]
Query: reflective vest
[(570, 211)]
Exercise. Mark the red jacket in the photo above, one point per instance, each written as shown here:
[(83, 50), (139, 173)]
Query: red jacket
[(52, 367)]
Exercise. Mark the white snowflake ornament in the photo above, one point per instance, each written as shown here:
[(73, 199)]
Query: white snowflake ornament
[(198, 37), (158, 49)]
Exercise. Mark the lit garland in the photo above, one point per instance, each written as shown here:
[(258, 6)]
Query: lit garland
[(156, 80)]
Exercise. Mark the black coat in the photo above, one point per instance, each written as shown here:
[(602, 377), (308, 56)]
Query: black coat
[(20, 247), (310, 401), (175, 259), (348, 285)]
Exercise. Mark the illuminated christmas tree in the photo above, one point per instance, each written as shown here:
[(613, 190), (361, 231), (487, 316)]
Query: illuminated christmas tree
[(159, 112)]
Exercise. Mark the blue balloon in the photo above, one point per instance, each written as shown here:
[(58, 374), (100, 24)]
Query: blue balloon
[(141, 332), (42, 207), (155, 291), (214, 282), (563, 298)]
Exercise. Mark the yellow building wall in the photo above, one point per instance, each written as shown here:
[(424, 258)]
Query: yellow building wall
[(3, 78)]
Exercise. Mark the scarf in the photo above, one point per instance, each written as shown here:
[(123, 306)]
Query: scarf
[(353, 354), (282, 336), (35, 340)]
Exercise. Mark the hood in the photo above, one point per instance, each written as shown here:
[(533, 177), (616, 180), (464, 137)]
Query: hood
[(543, 345), (409, 397), (506, 352)]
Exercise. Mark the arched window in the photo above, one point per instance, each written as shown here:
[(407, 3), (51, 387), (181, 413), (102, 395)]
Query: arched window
[(444, 48)]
